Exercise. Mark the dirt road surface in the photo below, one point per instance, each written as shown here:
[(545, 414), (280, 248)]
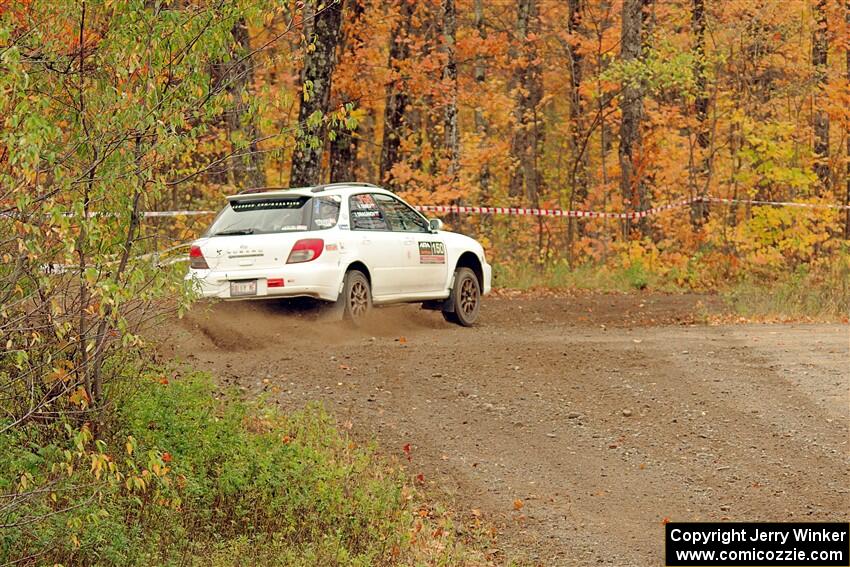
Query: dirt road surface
[(604, 415)]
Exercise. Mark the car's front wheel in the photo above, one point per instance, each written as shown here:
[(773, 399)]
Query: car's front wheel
[(465, 299), (356, 297)]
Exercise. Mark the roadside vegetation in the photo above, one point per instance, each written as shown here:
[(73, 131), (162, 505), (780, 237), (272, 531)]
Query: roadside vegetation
[(816, 290), (176, 472)]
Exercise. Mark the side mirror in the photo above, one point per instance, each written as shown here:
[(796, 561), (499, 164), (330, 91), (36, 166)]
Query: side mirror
[(435, 225)]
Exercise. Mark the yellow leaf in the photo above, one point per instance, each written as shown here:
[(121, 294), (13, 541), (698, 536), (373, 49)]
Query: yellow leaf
[(80, 397)]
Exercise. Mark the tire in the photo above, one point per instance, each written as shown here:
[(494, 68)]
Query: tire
[(465, 300), (356, 297)]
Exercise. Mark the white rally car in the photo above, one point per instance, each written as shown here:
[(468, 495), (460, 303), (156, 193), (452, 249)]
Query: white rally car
[(354, 244)]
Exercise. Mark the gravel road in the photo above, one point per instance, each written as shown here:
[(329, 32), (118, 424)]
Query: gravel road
[(577, 425)]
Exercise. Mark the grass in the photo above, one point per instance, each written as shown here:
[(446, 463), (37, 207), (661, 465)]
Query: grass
[(587, 277), (820, 292), (184, 477), (803, 294)]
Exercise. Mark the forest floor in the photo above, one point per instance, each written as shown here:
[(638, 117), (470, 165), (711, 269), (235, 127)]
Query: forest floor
[(576, 425)]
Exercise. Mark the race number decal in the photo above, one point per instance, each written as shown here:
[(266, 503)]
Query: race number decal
[(432, 253)]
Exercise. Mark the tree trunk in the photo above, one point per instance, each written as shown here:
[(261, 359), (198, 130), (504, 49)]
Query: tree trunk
[(344, 147), (847, 172), (699, 210), (396, 99), (528, 92), (578, 171), (631, 183), (482, 127), (820, 49), (343, 156), (701, 104), (603, 98), (321, 30), (575, 60), (246, 167), (452, 140)]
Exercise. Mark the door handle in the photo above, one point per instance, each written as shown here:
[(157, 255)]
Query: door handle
[(365, 241), (408, 241)]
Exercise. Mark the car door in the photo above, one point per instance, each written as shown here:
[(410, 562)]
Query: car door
[(425, 257), (378, 247)]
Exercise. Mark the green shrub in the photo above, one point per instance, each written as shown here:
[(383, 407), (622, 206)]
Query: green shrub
[(246, 473), (185, 477)]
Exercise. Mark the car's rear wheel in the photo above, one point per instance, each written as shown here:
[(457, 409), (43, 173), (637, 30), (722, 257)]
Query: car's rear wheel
[(465, 300), (356, 297)]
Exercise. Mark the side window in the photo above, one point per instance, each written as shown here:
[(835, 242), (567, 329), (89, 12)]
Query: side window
[(365, 214), (325, 212), (399, 216)]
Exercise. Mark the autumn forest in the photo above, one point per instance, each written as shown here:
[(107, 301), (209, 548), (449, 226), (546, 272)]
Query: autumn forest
[(578, 105), (693, 146), (581, 105)]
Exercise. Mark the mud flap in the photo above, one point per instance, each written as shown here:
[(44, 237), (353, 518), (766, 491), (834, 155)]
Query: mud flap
[(440, 304), (334, 310)]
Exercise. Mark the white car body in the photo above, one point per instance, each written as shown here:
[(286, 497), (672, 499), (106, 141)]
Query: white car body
[(416, 264)]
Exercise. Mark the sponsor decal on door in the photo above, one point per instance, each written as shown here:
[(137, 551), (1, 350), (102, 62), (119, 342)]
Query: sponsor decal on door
[(432, 253)]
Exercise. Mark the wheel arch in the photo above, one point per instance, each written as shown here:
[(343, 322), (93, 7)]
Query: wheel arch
[(470, 260), (360, 266)]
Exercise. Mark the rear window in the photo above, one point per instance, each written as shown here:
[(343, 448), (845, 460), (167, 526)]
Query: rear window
[(274, 215)]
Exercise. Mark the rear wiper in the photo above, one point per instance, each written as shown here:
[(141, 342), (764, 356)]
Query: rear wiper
[(234, 232)]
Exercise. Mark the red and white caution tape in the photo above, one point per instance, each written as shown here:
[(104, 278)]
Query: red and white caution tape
[(97, 214), (518, 211), (521, 211), (777, 203)]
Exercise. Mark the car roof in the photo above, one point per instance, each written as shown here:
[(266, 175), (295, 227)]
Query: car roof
[(343, 189)]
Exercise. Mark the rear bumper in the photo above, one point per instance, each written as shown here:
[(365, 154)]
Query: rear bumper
[(320, 282)]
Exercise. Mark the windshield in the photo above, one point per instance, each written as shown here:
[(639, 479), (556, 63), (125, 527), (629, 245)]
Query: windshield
[(278, 214)]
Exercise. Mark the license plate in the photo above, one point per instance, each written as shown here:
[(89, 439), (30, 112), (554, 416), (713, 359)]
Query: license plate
[(242, 288)]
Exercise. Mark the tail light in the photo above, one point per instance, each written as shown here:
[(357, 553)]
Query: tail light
[(196, 259), (305, 250)]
